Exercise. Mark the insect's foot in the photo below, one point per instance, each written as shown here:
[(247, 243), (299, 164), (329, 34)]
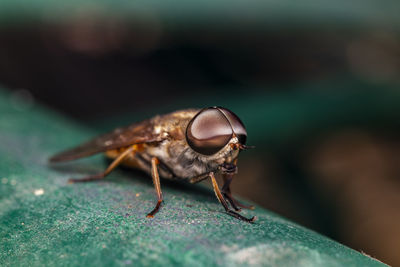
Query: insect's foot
[(236, 208), (87, 179), (232, 202), (82, 180), (155, 210), (240, 217), (73, 181), (253, 219)]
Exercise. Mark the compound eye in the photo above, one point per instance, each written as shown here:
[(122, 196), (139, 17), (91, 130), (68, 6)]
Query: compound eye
[(237, 125), (209, 131)]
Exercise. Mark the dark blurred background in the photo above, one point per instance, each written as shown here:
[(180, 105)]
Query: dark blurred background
[(317, 86)]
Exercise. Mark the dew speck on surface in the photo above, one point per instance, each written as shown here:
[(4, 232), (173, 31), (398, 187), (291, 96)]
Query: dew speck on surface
[(39, 192)]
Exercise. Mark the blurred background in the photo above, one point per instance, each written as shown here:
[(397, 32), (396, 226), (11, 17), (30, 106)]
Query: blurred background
[(317, 85)]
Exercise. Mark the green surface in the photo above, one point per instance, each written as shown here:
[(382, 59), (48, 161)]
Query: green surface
[(45, 221)]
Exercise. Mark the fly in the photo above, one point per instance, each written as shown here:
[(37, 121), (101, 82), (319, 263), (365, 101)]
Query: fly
[(190, 145)]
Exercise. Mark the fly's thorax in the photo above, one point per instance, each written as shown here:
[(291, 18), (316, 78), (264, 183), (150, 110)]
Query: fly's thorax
[(173, 122)]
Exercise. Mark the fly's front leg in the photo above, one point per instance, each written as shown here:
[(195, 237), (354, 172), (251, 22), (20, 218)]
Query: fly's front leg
[(222, 200), (226, 191), (157, 186), (111, 167)]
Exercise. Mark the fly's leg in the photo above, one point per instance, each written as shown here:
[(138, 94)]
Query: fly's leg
[(102, 175), (226, 191), (222, 200), (156, 182)]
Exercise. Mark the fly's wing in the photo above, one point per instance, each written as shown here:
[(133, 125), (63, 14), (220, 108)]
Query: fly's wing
[(142, 132)]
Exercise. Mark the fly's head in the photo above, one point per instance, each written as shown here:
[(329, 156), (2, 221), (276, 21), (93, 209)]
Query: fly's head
[(217, 135)]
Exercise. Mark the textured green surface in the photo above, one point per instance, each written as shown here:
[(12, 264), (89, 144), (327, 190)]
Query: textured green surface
[(45, 221)]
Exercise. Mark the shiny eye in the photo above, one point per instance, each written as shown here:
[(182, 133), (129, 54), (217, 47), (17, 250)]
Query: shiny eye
[(209, 131), (237, 125)]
